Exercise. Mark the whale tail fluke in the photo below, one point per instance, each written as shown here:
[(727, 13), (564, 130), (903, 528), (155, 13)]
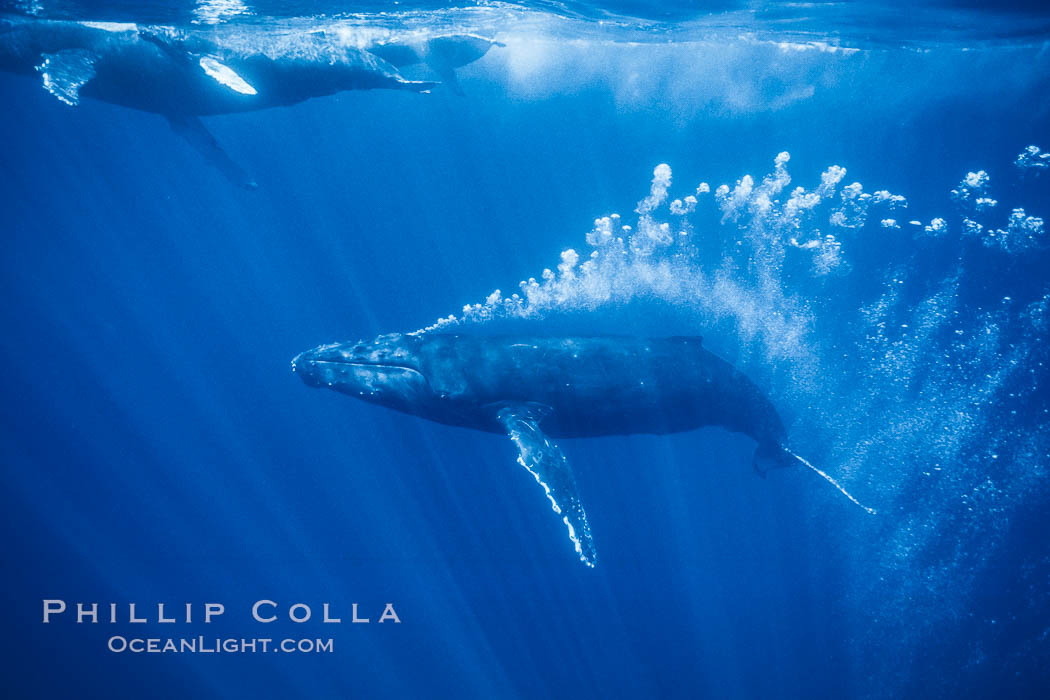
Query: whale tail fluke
[(449, 79), (770, 456), (775, 456)]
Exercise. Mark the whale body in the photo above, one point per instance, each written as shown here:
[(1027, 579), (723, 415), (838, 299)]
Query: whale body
[(185, 74), (536, 389)]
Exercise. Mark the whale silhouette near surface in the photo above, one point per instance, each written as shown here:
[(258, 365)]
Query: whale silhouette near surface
[(536, 389), (186, 73)]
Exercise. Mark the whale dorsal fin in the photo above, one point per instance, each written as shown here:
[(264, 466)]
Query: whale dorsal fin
[(546, 462), (65, 72)]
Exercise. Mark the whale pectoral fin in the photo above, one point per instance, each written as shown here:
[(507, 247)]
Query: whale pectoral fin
[(65, 72), (545, 461), (191, 129), (224, 75)]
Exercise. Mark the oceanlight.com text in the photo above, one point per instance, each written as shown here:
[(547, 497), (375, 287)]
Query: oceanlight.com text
[(217, 645)]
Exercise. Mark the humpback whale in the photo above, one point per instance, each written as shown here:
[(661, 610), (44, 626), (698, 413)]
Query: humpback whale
[(184, 74), (538, 389)]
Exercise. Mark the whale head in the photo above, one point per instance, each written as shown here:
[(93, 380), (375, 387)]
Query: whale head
[(385, 371)]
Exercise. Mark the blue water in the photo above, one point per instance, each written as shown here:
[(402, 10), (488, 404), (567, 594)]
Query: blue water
[(157, 447)]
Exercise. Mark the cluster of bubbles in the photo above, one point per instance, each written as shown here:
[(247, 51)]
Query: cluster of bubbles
[(729, 267), (732, 265), (958, 448), (1032, 158), (1021, 233)]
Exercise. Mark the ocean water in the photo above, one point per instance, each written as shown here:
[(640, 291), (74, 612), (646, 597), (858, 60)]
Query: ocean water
[(846, 200)]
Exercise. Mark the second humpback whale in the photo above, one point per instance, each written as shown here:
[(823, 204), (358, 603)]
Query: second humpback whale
[(535, 389), (187, 73)]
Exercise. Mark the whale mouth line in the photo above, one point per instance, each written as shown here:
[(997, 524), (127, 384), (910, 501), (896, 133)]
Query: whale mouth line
[(383, 365), (372, 365)]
